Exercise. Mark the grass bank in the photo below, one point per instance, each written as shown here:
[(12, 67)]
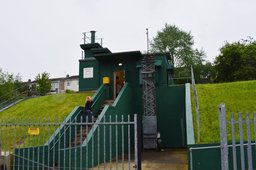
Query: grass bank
[(40, 110), (237, 96), (51, 106)]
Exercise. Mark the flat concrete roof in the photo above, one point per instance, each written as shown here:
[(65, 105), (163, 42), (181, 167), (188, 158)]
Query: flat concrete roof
[(119, 55)]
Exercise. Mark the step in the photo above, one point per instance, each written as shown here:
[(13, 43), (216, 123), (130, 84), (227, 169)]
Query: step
[(78, 136), (109, 102), (51, 168), (76, 143), (106, 102), (77, 139)]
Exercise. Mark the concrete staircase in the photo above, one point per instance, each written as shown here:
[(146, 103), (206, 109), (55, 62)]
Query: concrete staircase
[(81, 133), (106, 102)]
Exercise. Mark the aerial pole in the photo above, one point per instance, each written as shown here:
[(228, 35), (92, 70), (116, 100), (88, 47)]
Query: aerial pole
[(147, 41), (84, 38), (101, 41)]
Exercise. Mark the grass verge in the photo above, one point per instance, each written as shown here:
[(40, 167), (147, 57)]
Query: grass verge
[(237, 96), (40, 110)]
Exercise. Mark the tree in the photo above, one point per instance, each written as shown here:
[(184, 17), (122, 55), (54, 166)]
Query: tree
[(10, 87), (179, 44), (43, 83), (236, 61), (205, 73)]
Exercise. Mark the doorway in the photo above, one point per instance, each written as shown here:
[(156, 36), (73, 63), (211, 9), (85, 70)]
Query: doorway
[(119, 78)]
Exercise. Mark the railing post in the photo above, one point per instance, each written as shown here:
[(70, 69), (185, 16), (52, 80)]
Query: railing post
[(240, 122), (249, 144), (254, 122), (233, 142), (223, 137), (137, 144), (191, 158), (139, 138)]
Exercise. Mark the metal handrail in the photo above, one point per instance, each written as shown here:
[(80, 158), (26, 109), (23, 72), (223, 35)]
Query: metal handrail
[(11, 99)]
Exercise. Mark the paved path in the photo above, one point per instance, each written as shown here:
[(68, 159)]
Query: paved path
[(168, 159)]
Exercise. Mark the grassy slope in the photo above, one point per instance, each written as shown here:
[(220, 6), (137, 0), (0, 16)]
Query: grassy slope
[(59, 105), (52, 108), (237, 96)]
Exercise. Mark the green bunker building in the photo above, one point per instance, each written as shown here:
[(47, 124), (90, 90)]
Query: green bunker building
[(136, 106), (100, 67)]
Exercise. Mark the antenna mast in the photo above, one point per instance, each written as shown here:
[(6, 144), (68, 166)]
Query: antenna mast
[(84, 38), (147, 41), (150, 134)]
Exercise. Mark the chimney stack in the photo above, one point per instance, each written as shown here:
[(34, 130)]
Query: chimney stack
[(93, 37)]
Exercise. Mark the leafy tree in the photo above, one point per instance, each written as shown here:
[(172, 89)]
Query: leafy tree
[(179, 44), (236, 61), (10, 87), (205, 73), (43, 83)]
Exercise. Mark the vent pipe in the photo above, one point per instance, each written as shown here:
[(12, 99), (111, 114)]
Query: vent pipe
[(93, 37)]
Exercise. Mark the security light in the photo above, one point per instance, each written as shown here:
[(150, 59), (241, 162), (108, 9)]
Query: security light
[(120, 64)]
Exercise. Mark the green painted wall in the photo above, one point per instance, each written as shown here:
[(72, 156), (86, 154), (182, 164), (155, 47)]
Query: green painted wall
[(132, 77), (204, 159), (108, 67), (106, 71), (161, 71), (121, 106), (89, 83), (173, 96), (210, 158), (169, 110), (171, 120), (99, 97), (50, 150), (89, 149)]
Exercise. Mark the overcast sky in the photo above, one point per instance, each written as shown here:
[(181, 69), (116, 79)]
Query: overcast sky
[(44, 35)]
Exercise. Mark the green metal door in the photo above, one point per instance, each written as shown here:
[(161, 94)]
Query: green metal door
[(171, 116)]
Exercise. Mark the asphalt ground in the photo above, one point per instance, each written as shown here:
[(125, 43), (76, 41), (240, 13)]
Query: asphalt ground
[(165, 159)]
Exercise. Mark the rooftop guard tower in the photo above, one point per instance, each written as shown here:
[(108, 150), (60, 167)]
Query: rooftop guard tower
[(149, 90)]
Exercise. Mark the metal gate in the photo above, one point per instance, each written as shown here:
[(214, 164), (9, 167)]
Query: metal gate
[(110, 142), (240, 153)]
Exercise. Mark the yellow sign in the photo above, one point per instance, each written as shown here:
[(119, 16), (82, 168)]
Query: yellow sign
[(106, 80), (33, 131)]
